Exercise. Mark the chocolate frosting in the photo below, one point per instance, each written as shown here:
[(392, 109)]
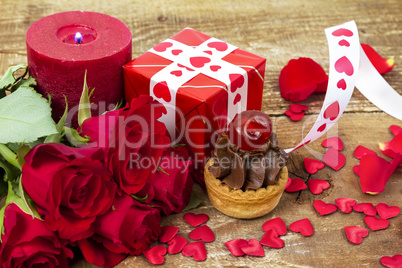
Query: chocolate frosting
[(247, 170)]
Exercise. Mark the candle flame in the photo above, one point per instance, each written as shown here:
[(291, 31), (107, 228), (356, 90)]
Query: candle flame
[(78, 37)]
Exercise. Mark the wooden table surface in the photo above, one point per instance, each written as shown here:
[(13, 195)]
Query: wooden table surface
[(278, 30)]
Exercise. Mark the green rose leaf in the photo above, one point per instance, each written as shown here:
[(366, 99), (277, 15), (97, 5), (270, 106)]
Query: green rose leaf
[(84, 107), (25, 116), (8, 78), (193, 203)]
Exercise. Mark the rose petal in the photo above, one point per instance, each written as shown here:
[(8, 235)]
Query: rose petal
[(395, 129), (366, 208), (271, 239), (392, 262), (355, 234), (375, 223), (301, 77), (313, 165), (195, 219), (294, 116), (234, 246), (297, 108), (381, 64), (203, 233), (360, 151), (345, 204), (155, 254), (392, 147), (317, 186), (253, 248), (334, 142), (386, 211), (275, 224), (167, 233), (324, 208), (288, 183), (334, 159), (297, 185), (303, 227)]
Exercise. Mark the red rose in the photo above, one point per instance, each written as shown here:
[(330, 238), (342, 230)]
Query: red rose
[(129, 227), (70, 187), (170, 189), (27, 242), (135, 141)]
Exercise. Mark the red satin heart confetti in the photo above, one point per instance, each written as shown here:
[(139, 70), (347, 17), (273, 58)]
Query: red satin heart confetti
[(196, 250), (303, 227), (385, 211), (366, 208), (375, 223), (203, 233), (275, 224), (252, 248), (333, 142), (381, 64), (234, 246), (334, 159), (296, 185), (294, 116), (345, 204), (392, 262), (297, 108), (324, 208), (271, 239), (313, 165), (195, 219), (167, 233), (355, 234), (155, 254), (317, 186), (177, 244)]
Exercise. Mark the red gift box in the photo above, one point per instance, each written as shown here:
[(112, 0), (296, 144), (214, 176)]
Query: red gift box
[(203, 83)]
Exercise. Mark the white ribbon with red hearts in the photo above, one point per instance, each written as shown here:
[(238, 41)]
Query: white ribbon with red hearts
[(188, 62), (350, 66)]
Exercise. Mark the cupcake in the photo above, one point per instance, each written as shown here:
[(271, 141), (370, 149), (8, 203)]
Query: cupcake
[(247, 173)]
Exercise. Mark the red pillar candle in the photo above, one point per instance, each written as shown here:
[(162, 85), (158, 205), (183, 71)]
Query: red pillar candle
[(58, 62)]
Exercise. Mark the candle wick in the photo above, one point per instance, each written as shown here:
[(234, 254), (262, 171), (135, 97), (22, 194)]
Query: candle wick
[(78, 37)]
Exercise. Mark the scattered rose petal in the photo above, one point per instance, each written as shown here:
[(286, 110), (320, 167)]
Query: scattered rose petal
[(381, 64), (301, 77), (297, 108), (392, 147), (375, 223), (360, 151), (386, 211), (195, 219), (316, 186), (395, 129), (196, 250), (392, 262), (288, 183), (334, 159), (345, 204), (356, 170), (253, 248), (167, 233), (303, 227), (355, 234), (313, 165), (275, 224), (334, 142), (203, 233), (324, 208), (297, 185), (177, 244), (271, 239), (294, 116), (366, 208), (234, 246), (155, 254)]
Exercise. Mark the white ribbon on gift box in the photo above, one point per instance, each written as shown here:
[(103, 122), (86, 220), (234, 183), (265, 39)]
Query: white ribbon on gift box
[(346, 55)]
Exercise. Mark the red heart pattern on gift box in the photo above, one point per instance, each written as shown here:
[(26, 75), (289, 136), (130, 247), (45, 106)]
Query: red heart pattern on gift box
[(199, 62), (161, 90), (342, 31), (162, 46), (343, 42), (220, 46)]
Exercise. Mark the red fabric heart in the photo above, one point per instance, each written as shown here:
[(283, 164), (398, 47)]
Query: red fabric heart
[(301, 77), (176, 51), (199, 62), (294, 116), (334, 159), (296, 185), (203, 233), (341, 84), (322, 127), (313, 165), (297, 108), (196, 250), (177, 244), (375, 223), (275, 224), (167, 233), (395, 129), (343, 65), (345, 204), (253, 248), (161, 90), (177, 73), (288, 183), (234, 246), (381, 64), (355, 234), (237, 99), (162, 46), (344, 43), (334, 142), (303, 227), (366, 208), (392, 262), (324, 208), (316, 186), (214, 68), (271, 239), (386, 211), (155, 254), (195, 219), (220, 46), (332, 111), (342, 31), (392, 147), (361, 150), (236, 81)]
